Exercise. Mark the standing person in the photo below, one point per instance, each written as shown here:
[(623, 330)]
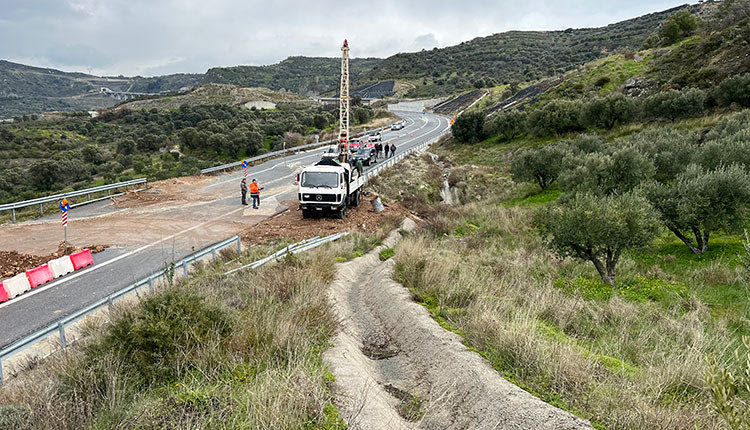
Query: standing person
[(255, 193), (243, 190), (386, 148), (378, 148), (393, 150)]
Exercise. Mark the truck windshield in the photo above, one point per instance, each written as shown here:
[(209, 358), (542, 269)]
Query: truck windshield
[(320, 179)]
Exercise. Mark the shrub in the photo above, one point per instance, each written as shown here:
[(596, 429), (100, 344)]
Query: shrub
[(678, 26), (670, 150), (675, 104), (506, 125), (469, 127), (606, 112), (735, 89), (542, 165), (555, 118), (598, 229)]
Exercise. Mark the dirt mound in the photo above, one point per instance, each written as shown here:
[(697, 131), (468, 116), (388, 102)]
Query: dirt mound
[(168, 190), (291, 224), (13, 263), (395, 367)]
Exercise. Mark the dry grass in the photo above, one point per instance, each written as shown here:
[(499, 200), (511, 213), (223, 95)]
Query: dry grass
[(634, 357), (211, 351)]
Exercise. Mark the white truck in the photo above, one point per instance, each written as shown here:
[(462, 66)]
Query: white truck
[(329, 186)]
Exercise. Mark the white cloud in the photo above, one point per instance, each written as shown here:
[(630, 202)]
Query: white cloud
[(151, 37)]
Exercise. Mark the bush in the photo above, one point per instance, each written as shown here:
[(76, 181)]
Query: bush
[(541, 166), (670, 150), (678, 26), (469, 127), (506, 125), (598, 229), (606, 112), (735, 89), (555, 118), (675, 104)]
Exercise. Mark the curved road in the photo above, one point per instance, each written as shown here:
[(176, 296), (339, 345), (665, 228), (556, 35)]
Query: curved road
[(144, 239)]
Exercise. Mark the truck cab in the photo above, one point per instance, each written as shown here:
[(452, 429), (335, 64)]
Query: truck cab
[(329, 187)]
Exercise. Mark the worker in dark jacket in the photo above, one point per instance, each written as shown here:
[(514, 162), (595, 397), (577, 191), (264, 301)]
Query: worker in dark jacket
[(243, 189), (393, 149), (378, 150)]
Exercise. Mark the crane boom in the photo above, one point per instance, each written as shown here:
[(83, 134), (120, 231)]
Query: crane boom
[(344, 104)]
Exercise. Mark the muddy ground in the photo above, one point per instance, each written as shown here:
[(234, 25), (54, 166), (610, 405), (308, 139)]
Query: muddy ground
[(291, 224)]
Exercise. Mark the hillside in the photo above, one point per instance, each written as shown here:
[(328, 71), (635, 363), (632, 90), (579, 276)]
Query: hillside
[(519, 56), (303, 75), (217, 94), (28, 90)]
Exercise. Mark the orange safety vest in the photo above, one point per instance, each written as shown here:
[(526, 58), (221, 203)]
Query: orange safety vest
[(254, 188)]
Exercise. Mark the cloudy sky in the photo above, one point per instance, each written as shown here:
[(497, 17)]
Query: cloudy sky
[(154, 37)]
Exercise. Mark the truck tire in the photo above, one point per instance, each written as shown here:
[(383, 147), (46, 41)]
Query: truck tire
[(356, 198), (306, 213), (342, 212)]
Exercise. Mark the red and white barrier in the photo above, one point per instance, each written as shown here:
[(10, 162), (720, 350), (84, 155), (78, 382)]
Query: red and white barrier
[(17, 285), (32, 278), (61, 266), (81, 259), (39, 275)]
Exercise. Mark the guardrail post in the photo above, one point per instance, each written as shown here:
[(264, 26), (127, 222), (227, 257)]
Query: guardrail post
[(1, 371), (213, 254), (13, 214), (151, 284), (109, 305), (185, 268), (88, 196), (61, 329), (239, 245), (40, 209)]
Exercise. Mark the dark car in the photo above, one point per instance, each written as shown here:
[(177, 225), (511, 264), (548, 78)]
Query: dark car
[(367, 155)]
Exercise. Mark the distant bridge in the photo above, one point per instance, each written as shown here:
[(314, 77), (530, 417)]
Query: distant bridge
[(125, 95)]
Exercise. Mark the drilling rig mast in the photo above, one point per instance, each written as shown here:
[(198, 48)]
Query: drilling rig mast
[(344, 105)]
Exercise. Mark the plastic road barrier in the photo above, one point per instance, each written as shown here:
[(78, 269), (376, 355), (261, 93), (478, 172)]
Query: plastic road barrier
[(3, 294), (61, 266), (39, 275), (81, 259), (17, 285)]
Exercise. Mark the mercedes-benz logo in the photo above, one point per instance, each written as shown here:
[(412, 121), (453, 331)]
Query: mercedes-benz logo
[(318, 197)]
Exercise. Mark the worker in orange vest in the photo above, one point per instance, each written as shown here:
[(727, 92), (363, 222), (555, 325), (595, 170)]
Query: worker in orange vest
[(255, 193)]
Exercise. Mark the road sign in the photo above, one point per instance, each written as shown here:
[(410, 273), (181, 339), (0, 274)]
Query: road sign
[(64, 208), (244, 167)]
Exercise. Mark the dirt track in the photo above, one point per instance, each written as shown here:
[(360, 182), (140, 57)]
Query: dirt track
[(413, 356)]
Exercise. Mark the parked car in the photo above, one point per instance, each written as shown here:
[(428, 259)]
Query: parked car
[(354, 144), (375, 136), (397, 125), (367, 155)]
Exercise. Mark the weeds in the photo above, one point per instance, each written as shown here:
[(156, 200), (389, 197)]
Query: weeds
[(210, 351)]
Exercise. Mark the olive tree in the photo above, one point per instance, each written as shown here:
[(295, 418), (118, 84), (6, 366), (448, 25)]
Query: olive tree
[(699, 202), (670, 150), (469, 127), (597, 228), (735, 89), (606, 174), (608, 111), (506, 125), (555, 118), (674, 104), (540, 165)]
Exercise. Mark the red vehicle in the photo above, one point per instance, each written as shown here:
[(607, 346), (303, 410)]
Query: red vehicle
[(354, 144)]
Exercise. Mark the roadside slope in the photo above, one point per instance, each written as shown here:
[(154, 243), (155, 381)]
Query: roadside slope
[(395, 367)]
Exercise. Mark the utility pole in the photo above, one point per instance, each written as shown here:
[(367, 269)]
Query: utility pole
[(344, 105)]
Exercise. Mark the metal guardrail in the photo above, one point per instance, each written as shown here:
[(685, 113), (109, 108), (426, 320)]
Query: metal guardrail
[(60, 326), (283, 151), (56, 197)]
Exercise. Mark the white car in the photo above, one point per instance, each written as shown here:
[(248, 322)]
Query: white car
[(397, 125)]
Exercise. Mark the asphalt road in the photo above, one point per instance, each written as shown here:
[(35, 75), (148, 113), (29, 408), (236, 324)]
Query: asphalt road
[(195, 228)]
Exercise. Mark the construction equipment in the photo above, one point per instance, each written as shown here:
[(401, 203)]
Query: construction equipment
[(344, 105)]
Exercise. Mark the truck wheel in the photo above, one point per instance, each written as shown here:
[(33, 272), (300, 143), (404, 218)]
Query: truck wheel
[(342, 212), (306, 213)]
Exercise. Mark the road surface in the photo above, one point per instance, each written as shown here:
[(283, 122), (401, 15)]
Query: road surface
[(189, 215)]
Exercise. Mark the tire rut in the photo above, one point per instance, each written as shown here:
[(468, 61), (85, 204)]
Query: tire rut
[(396, 368)]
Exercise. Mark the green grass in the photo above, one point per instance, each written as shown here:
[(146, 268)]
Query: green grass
[(387, 254), (538, 198)]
